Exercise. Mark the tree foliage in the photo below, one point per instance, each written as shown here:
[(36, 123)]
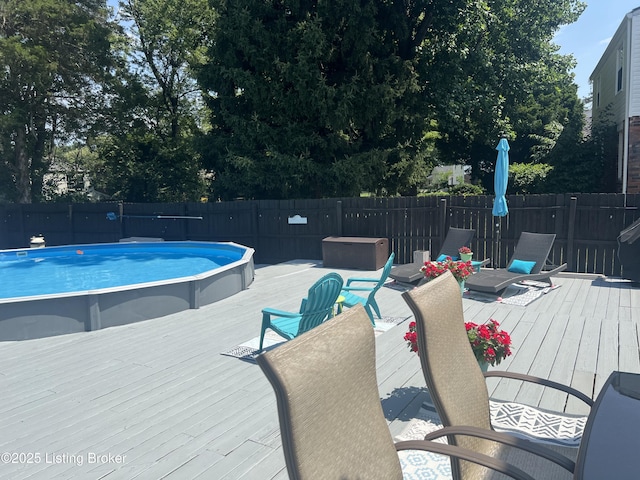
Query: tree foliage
[(315, 98), (527, 178), (154, 156), (330, 98), (587, 166), (287, 99), (507, 79), (54, 55)]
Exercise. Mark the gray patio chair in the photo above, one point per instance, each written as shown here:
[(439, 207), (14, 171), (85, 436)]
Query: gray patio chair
[(456, 238), (460, 395), (331, 419), (527, 263)]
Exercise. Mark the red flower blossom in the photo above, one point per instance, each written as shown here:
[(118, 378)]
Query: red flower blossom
[(411, 337), (459, 270), (489, 344)]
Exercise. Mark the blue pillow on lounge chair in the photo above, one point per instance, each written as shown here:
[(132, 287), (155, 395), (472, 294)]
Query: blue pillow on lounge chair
[(443, 257), (521, 266)]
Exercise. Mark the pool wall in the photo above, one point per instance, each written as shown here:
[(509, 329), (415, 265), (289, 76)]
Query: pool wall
[(47, 315)]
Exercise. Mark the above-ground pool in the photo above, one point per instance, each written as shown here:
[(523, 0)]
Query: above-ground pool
[(57, 290)]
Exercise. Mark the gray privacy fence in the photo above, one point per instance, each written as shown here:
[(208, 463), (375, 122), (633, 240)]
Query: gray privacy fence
[(586, 225)]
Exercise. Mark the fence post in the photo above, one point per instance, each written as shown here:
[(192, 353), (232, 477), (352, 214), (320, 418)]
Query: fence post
[(339, 217), (121, 219), (72, 233), (185, 223), (571, 260), (255, 223), (443, 220)]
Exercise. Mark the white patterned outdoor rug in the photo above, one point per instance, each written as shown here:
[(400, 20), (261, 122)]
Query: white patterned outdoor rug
[(522, 293), (249, 350), (417, 464), (517, 419), (534, 423)]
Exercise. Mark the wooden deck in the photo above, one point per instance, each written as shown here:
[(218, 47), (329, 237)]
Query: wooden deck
[(161, 400)]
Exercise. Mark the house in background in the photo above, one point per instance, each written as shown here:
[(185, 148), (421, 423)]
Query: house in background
[(616, 92), (449, 175)]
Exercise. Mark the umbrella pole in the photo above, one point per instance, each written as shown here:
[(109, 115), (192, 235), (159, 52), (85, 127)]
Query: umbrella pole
[(496, 244)]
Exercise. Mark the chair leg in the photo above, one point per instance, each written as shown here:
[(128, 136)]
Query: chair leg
[(266, 321), (370, 313), (375, 307)]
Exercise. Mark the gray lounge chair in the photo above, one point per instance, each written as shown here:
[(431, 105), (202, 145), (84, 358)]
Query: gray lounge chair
[(331, 420), (456, 238), (531, 247), (458, 390)]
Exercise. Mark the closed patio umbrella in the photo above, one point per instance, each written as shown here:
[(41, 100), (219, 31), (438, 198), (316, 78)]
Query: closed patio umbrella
[(500, 180)]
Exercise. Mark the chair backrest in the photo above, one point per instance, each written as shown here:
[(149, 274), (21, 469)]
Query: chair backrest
[(456, 238), (386, 270), (454, 379), (320, 300), (533, 247), (331, 419)]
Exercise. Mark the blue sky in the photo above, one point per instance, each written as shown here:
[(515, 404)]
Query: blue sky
[(587, 38)]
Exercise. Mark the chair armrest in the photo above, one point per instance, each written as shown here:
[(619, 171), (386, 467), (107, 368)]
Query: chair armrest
[(506, 439), (465, 454), (279, 313), (540, 381), (357, 289), (362, 279), (484, 262)]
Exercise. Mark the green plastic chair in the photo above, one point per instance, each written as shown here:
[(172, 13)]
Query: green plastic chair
[(368, 302), (314, 309)]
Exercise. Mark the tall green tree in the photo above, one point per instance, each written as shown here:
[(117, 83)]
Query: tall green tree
[(153, 156), (312, 99), (167, 38), (504, 75), (54, 56), (331, 98), (588, 166)]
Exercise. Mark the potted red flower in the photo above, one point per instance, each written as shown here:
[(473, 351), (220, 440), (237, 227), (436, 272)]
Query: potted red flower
[(465, 254), (490, 345), (459, 270), (488, 342)]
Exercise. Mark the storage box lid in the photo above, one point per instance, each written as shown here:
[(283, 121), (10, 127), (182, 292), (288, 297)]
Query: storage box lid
[(354, 239)]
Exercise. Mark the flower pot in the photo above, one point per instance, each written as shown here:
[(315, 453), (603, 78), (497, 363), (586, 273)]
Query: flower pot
[(484, 366), (466, 257), (461, 283)]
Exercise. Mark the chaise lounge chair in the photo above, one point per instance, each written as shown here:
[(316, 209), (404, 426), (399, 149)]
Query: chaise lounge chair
[(527, 263), (456, 238), (314, 309), (332, 424)]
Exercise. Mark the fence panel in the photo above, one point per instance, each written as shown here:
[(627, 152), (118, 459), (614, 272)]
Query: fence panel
[(599, 220), (90, 224), (586, 225)]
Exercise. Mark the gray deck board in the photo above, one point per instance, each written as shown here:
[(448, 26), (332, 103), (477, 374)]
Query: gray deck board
[(161, 394)]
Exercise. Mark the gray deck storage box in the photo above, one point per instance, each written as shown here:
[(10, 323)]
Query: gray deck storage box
[(355, 252)]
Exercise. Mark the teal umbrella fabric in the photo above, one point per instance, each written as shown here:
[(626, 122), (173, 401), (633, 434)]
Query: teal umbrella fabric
[(500, 179)]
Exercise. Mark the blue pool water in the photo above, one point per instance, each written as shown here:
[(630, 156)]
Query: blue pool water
[(53, 270)]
